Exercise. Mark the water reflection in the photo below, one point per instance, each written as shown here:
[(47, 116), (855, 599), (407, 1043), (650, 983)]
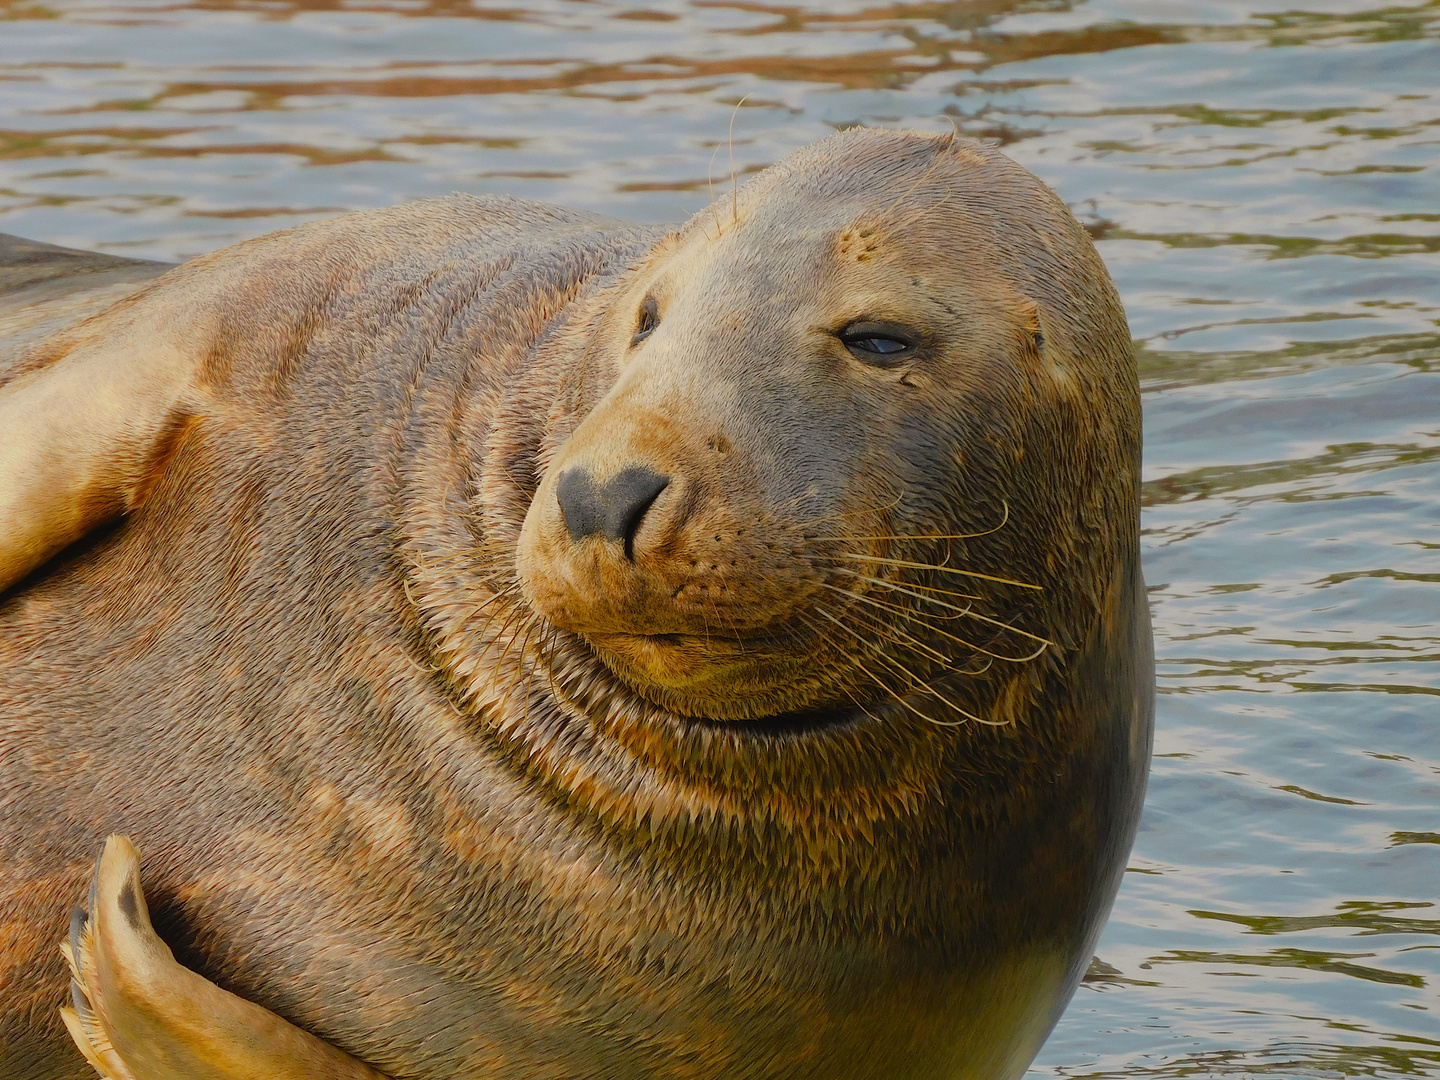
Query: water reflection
[(1362, 917), (1262, 181)]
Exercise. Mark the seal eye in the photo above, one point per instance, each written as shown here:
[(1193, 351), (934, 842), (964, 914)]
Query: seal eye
[(878, 344), (649, 319)]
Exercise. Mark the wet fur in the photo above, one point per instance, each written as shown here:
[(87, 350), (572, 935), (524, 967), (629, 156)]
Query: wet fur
[(377, 795)]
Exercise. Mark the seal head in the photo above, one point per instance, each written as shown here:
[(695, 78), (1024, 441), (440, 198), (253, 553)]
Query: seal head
[(827, 449)]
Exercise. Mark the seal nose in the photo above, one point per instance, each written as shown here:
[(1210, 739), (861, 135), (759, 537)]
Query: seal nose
[(613, 510)]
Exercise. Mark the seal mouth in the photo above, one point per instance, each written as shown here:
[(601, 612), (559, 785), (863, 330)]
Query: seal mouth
[(716, 677), (809, 720)]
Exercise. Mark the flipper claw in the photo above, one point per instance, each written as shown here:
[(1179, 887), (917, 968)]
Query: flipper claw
[(137, 1014), (82, 1021)]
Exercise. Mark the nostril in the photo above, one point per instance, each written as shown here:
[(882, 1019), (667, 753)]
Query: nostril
[(629, 497), (614, 510), (579, 503)]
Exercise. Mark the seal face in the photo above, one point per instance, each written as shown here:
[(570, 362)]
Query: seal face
[(627, 642), (787, 426)]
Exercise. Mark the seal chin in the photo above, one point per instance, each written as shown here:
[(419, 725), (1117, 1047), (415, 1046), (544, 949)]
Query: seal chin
[(709, 677)]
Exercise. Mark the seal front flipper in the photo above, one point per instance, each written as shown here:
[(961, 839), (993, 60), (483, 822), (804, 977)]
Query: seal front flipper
[(45, 288), (139, 1015), (83, 419)]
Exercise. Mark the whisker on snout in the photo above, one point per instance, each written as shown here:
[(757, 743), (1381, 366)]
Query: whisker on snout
[(889, 605), (915, 616), (912, 680), (910, 639), (881, 509), (938, 568), (968, 612), (897, 587), (891, 537)]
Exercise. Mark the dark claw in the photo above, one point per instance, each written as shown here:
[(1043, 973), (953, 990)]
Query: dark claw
[(78, 999), (95, 880)]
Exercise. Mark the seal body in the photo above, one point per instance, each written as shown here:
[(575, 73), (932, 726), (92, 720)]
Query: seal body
[(538, 645)]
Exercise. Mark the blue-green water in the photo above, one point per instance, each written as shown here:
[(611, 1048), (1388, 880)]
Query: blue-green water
[(1265, 186)]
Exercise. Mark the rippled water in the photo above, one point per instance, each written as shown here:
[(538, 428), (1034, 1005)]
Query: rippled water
[(1264, 184)]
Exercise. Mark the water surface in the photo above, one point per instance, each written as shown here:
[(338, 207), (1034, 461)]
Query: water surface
[(1264, 183)]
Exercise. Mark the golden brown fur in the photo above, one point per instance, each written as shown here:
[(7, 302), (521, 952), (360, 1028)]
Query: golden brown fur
[(828, 771), (57, 476)]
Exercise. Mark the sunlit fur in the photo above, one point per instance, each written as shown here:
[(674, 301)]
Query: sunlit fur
[(832, 777)]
